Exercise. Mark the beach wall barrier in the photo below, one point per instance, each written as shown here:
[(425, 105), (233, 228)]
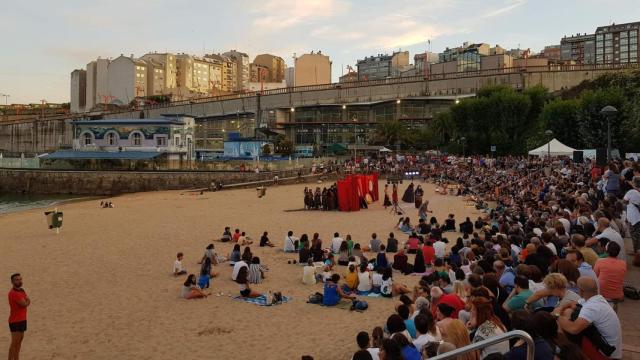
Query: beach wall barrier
[(47, 182)]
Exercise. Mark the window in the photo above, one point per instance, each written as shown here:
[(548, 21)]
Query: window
[(87, 139), (137, 139), (112, 139), (161, 141), (176, 140)]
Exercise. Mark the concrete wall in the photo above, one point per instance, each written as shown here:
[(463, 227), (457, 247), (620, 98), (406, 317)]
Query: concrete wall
[(13, 181)]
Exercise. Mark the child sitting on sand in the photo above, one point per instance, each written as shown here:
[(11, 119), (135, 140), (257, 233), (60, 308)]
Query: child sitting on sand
[(381, 258), (309, 273), (178, 268), (244, 239), (389, 288), (351, 279), (376, 280), (264, 240), (226, 235), (190, 290), (333, 293), (329, 261), (326, 274), (364, 280), (235, 254), (243, 280), (256, 271)]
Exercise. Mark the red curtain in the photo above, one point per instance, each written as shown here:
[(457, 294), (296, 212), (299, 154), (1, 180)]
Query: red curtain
[(372, 186), (355, 192), (344, 195)]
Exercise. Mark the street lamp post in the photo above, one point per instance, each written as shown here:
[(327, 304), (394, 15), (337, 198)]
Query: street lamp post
[(355, 137), (608, 111)]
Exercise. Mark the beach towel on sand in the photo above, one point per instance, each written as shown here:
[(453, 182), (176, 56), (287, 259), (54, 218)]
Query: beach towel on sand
[(260, 300)]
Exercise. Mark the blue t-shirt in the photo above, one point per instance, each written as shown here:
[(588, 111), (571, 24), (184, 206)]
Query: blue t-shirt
[(543, 351), (410, 353), (331, 296), (507, 279), (411, 328)]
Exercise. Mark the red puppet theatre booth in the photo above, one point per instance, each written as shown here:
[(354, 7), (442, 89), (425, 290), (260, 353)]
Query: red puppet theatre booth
[(355, 191)]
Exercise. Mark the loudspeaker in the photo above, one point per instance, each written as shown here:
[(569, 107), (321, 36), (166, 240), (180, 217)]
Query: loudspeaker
[(578, 157), (601, 156)]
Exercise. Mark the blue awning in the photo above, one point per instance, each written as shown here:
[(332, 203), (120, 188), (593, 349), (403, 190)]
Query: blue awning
[(98, 155)]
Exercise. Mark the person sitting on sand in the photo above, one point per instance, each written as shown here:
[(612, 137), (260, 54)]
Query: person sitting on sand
[(392, 243), (247, 256), (304, 254), (406, 226), (329, 261), (343, 254), (205, 274), (381, 258), (364, 280), (190, 290), (363, 343), (374, 244), (264, 240), (226, 235), (256, 271), (243, 280), (400, 261), (235, 254), (389, 288), (413, 243), (336, 242), (333, 293), (244, 239), (326, 274), (376, 280), (290, 243), (236, 268), (309, 273), (357, 251), (178, 268), (450, 223), (351, 279), (236, 235)]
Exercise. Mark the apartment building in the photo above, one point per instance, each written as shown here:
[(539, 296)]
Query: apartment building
[(312, 69), (383, 66), (96, 83), (617, 43), (127, 79), (168, 67), (229, 80), (198, 76), (78, 91), (243, 71), (275, 66), (580, 48)]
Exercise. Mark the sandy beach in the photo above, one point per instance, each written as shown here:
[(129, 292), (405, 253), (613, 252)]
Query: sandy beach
[(103, 289)]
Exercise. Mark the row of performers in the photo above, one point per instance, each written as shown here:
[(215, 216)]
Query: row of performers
[(410, 195), (327, 199)]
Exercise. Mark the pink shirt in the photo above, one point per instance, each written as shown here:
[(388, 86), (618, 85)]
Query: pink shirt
[(413, 243), (610, 272)]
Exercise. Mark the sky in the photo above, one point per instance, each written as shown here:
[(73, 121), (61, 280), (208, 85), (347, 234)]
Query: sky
[(44, 40)]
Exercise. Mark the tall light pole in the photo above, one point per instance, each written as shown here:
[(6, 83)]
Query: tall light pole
[(549, 134), (608, 111), (355, 137)]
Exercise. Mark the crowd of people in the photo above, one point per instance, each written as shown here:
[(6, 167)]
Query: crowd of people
[(548, 258)]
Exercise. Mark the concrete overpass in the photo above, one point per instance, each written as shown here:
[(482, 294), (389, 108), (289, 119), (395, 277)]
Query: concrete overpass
[(271, 107)]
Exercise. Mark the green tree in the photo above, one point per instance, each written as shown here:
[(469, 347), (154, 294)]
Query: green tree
[(593, 125), (561, 117), (389, 132)]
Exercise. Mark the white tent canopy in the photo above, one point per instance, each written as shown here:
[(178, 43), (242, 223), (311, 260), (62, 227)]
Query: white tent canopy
[(553, 147), (384, 149)]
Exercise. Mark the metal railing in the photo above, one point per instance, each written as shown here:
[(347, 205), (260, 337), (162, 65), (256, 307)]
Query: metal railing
[(492, 341)]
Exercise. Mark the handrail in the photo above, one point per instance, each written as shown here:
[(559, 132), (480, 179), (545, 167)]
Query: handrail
[(491, 341)]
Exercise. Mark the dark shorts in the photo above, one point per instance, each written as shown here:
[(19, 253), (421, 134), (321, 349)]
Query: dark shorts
[(20, 326), (245, 293)]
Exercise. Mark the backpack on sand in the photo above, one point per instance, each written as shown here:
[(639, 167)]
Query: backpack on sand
[(359, 305), (315, 298)]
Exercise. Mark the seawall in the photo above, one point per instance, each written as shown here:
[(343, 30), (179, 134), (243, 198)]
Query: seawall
[(48, 182)]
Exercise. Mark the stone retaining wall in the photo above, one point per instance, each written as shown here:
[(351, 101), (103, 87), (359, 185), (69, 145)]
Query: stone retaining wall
[(15, 181)]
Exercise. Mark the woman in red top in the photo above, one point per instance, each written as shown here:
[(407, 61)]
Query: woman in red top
[(429, 253), (413, 243), (611, 272), (18, 302)]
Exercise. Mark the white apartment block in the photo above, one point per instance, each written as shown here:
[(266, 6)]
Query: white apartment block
[(78, 91), (127, 79), (97, 87)]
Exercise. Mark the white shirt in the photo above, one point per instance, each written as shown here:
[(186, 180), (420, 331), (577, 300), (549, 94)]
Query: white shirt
[(309, 275), (376, 279), (177, 267), (567, 225), (633, 214), (236, 269), (613, 235), (364, 281), (440, 249), (335, 244), (374, 353), (597, 311), (289, 243), (422, 340)]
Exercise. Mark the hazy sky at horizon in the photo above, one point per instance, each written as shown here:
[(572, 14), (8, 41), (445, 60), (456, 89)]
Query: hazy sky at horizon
[(43, 41)]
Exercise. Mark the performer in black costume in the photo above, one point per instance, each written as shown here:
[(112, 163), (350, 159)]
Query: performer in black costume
[(418, 196), (409, 196), (387, 201)]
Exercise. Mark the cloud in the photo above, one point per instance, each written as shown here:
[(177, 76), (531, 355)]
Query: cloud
[(274, 15), (511, 5)]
